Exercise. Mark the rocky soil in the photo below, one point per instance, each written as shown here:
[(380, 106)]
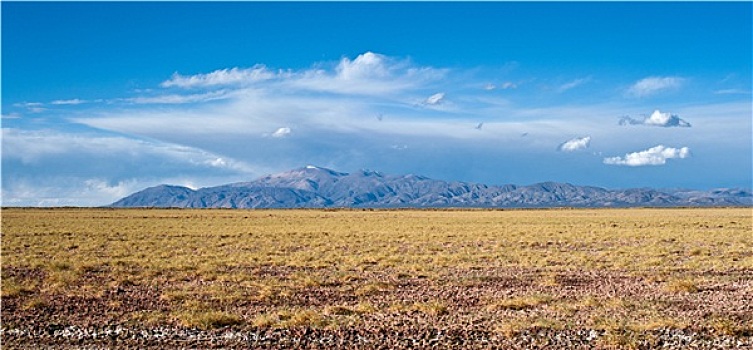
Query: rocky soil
[(582, 309)]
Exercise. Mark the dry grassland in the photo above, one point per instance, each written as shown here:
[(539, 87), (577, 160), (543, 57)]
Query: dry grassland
[(607, 277)]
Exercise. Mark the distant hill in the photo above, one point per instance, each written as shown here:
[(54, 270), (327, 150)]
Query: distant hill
[(316, 187)]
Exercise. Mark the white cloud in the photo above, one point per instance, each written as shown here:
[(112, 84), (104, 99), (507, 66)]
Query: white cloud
[(657, 155), (53, 168), (435, 99), (74, 101), (65, 191), (281, 132), (657, 118), (653, 85), (33, 107), (181, 99), (504, 86), (38, 147), (367, 65), (28, 104), (11, 116), (220, 77), (575, 144), (367, 74), (573, 84), (732, 92)]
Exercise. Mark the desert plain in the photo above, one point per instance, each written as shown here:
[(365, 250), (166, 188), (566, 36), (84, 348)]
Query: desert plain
[(377, 279)]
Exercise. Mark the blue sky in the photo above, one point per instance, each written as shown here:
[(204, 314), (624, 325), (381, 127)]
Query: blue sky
[(103, 99)]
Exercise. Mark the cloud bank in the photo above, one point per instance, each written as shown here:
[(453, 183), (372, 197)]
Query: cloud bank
[(657, 155), (366, 111)]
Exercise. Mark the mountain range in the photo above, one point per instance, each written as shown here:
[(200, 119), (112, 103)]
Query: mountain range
[(317, 187)]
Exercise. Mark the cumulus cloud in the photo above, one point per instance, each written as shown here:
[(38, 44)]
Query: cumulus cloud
[(221, 77), (366, 65), (368, 74), (281, 132), (657, 118), (653, 85), (435, 99), (575, 144), (657, 155)]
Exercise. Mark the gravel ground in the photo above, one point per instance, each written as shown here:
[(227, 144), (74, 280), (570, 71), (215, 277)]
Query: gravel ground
[(51, 337), (71, 321)]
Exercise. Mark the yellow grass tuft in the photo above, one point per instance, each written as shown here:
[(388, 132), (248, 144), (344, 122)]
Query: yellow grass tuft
[(207, 319), (682, 286), (519, 303)]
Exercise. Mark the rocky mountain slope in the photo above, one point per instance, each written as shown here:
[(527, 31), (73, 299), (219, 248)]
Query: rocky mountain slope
[(316, 187)]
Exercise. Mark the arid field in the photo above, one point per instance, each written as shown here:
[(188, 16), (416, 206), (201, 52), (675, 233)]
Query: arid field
[(565, 278)]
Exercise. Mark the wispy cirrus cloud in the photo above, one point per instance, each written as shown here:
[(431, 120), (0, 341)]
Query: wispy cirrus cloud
[(181, 98), (504, 86), (653, 85), (575, 144), (40, 146), (367, 74), (732, 92), (33, 107), (74, 101), (13, 115), (657, 155), (220, 77), (657, 118), (573, 84)]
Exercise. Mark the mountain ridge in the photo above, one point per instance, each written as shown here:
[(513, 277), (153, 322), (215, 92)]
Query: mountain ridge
[(318, 187)]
